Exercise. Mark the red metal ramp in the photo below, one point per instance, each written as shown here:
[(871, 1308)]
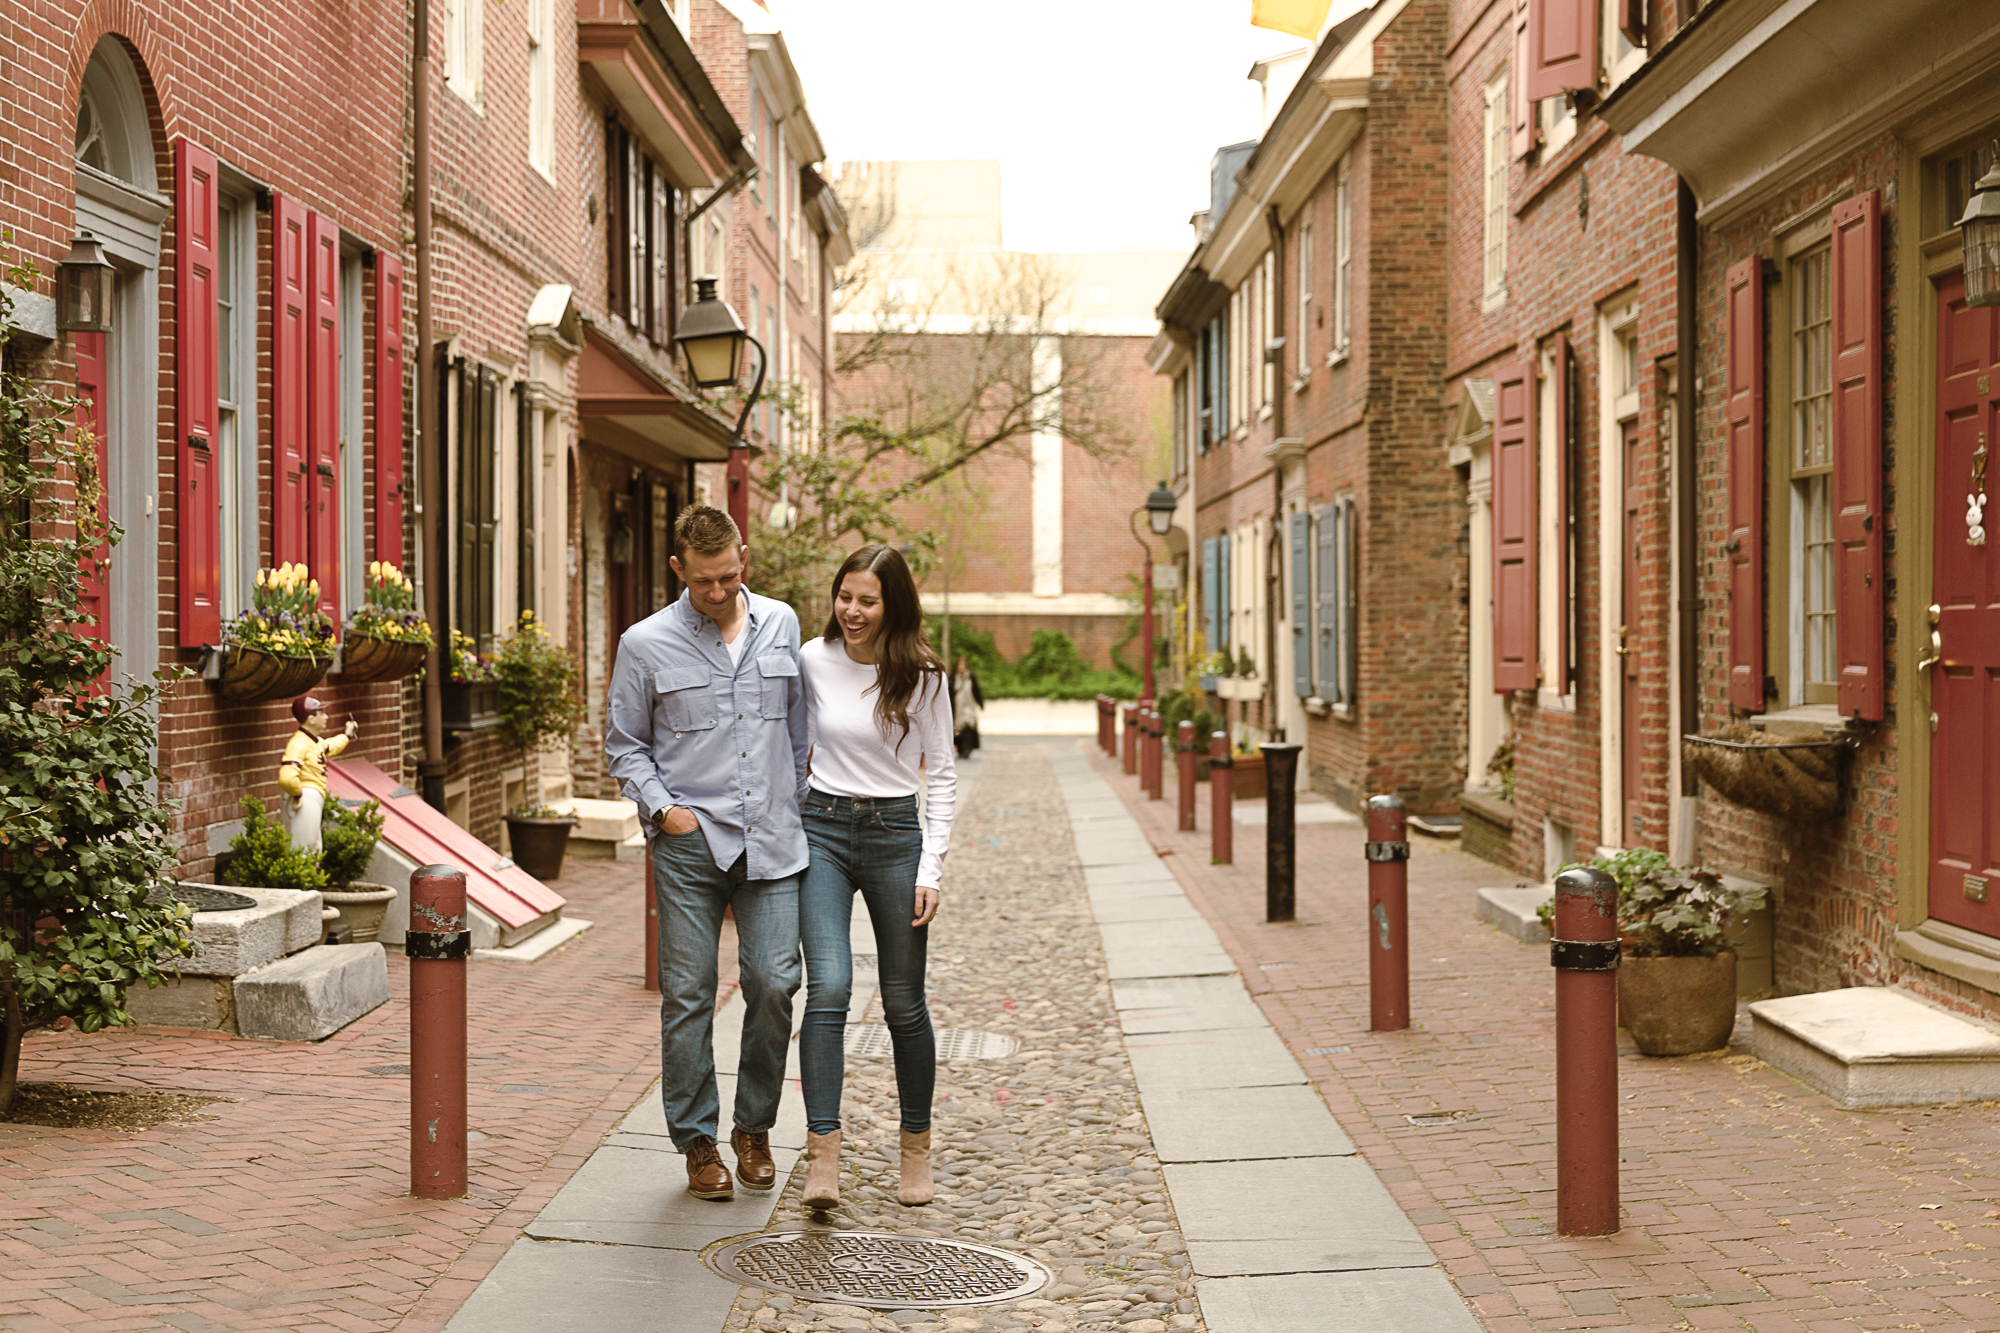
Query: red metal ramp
[(517, 903)]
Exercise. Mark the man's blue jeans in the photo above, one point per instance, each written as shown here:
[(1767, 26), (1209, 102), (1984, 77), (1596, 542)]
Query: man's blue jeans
[(692, 894), (873, 846)]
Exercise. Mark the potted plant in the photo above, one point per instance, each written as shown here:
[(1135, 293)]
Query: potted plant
[(540, 705), (472, 695), (262, 856), (1676, 976), (1248, 765), (350, 832), (282, 645), (386, 638)]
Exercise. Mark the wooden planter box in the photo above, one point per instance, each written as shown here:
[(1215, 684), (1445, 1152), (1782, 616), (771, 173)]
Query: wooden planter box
[(1249, 784), (471, 707)]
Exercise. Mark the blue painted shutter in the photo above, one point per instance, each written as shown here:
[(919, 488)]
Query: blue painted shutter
[(1211, 592), (1301, 605), (1325, 532), (1222, 548)]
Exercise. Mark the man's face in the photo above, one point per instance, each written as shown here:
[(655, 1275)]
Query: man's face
[(316, 723), (712, 580)]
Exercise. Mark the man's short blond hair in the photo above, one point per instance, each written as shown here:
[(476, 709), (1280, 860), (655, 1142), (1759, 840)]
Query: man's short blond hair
[(705, 530)]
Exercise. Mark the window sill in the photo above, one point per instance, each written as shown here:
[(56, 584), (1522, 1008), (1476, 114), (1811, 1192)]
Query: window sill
[(548, 176), (468, 96), (1337, 357), (1316, 706), (1493, 301), (1553, 702), (1810, 721), (1302, 382)]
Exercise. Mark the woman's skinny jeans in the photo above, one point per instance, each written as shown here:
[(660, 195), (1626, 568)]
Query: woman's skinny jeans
[(871, 845)]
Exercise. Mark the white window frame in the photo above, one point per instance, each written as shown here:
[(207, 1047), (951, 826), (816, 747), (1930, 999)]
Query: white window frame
[(465, 49), (1494, 236), (541, 88), (1809, 485), (1267, 331), (238, 517), (1343, 262), (1621, 58), (1305, 286), (1558, 121)]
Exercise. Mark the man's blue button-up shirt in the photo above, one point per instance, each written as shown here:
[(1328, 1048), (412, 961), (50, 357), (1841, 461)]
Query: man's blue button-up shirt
[(684, 727)]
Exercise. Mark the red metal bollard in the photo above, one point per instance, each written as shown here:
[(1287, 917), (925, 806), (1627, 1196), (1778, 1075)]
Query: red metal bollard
[(1153, 760), (1584, 951), (1388, 852), (652, 925), (1184, 770), (1129, 715), (1107, 725), (438, 945), (1221, 808)]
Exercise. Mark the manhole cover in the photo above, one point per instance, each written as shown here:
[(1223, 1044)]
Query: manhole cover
[(871, 1040), (204, 899), (877, 1269)]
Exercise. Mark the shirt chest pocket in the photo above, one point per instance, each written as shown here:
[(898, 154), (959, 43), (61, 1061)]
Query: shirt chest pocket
[(686, 699), (778, 672)]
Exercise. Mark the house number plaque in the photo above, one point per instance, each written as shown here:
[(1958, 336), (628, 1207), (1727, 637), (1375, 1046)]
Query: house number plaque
[(1975, 888)]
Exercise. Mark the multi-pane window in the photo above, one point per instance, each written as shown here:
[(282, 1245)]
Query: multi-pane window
[(1343, 255), (1812, 467), (541, 86), (1305, 286), (464, 46), (236, 391), (643, 231), (1267, 326), (1497, 107)]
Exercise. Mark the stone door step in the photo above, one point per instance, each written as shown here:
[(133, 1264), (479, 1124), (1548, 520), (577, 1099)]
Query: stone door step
[(1513, 911), (312, 994), (1873, 1046), (605, 830)]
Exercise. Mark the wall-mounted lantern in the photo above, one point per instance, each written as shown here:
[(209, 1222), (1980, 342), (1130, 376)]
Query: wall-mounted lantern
[(1980, 230), (83, 287)]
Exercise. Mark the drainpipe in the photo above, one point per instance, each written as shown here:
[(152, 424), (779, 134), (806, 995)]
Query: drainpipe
[(431, 769), (1680, 824), (1276, 543)]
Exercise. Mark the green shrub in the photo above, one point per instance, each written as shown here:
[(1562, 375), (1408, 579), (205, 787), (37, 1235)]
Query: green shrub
[(1669, 911), (1052, 668), (541, 695), (350, 836), (264, 858)]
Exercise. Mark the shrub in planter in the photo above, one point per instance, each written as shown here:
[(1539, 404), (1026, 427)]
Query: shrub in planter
[(350, 834), (262, 855), (541, 704)]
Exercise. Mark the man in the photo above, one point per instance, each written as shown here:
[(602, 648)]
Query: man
[(302, 772), (705, 728)]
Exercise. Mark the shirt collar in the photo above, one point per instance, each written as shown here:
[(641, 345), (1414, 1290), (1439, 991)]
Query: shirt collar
[(692, 619)]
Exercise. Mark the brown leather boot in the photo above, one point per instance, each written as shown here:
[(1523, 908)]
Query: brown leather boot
[(916, 1187), (822, 1190), (708, 1178), (754, 1166)]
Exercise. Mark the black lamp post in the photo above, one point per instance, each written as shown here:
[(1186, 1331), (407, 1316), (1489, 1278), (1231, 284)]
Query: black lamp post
[(712, 338), (1980, 230), (1159, 509), (83, 287)]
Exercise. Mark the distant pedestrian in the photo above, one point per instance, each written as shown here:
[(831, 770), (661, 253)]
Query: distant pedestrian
[(966, 701), (705, 728), (881, 723)]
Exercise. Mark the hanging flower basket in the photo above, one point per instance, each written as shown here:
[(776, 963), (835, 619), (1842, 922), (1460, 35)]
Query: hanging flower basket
[(364, 657), (251, 675), (1794, 780)]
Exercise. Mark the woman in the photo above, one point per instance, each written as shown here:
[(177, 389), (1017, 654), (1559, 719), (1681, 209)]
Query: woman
[(966, 701), (879, 711)]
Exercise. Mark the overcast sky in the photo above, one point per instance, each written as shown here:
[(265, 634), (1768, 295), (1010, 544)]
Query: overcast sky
[(1103, 113)]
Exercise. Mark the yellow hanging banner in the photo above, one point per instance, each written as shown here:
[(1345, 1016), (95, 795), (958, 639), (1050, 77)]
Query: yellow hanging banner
[(1301, 18)]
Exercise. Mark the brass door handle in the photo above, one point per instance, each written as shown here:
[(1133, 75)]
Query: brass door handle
[(1933, 614), (1622, 649)]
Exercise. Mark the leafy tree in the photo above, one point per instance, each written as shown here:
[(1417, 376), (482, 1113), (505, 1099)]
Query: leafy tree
[(85, 836)]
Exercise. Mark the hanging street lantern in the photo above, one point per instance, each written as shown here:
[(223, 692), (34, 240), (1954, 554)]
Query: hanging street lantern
[(83, 287), (1160, 509), (1980, 230), (712, 338)]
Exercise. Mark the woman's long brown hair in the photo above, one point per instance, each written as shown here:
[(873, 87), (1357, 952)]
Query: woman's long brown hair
[(904, 658)]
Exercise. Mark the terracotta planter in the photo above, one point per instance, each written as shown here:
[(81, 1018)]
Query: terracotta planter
[(1678, 1006), (363, 658), (362, 906), (539, 845), (1249, 770), (251, 675)]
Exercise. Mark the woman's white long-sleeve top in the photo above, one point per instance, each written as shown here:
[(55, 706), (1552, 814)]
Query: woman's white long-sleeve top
[(854, 755)]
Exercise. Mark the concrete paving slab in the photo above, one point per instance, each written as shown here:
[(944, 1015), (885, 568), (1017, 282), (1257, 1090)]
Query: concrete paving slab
[(648, 1118), (1151, 870), (1114, 849), (1184, 1004), (632, 1196), (1151, 907), (1242, 1124), (1312, 1215), (1180, 948), (1399, 1300), (1256, 815), (539, 1287), (1253, 1057)]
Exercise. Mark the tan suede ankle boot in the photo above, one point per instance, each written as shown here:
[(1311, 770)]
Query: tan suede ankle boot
[(916, 1187), (822, 1190)]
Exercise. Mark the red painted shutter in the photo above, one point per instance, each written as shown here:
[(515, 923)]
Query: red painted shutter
[(323, 425), (1520, 107), (1857, 452), (1516, 484), (389, 409), (290, 320), (1559, 680), (1562, 47), (198, 516), (94, 585), (1744, 411)]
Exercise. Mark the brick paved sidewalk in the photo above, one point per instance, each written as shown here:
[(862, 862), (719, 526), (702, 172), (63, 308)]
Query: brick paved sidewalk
[(290, 1209), (1750, 1201)]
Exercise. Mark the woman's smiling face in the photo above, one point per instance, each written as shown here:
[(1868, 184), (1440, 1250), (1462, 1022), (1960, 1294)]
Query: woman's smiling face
[(858, 608)]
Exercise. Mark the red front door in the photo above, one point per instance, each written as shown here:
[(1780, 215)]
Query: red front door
[(91, 416), (1964, 684)]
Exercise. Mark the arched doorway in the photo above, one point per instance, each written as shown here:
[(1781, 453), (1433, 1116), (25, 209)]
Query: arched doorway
[(118, 200)]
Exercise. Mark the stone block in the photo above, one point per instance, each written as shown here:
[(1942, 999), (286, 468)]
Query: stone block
[(312, 994), (1396, 1300), (602, 827), (186, 1002), (229, 944), (1872, 1046), (1513, 911)]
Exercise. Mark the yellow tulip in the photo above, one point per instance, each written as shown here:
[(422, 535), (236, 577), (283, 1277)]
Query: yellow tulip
[(260, 578)]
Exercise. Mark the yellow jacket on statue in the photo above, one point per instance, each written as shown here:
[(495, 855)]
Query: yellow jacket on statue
[(304, 764), (302, 772)]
